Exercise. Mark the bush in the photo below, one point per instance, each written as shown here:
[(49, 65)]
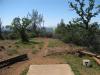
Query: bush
[(77, 34)]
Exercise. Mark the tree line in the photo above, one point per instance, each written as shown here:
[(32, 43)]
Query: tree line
[(80, 30), (24, 28)]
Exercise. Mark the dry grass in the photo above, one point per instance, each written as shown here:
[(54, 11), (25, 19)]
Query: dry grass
[(15, 47), (12, 51), (55, 43)]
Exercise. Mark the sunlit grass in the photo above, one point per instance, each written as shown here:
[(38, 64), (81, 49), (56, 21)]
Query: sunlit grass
[(55, 43), (76, 64)]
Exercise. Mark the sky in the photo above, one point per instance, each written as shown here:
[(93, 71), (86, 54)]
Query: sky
[(52, 10)]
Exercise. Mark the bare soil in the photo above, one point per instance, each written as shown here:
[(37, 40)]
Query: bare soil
[(49, 46), (37, 58)]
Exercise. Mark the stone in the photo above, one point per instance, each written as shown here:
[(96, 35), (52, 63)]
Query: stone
[(56, 69), (87, 63)]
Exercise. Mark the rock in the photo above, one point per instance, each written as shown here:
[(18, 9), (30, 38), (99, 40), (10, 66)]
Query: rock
[(87, 63)]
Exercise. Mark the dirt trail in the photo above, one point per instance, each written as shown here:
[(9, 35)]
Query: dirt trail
[(43, 51), (37, 58)]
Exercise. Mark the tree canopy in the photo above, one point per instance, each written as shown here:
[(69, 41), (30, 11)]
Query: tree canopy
[(20, 25), (85, 10)]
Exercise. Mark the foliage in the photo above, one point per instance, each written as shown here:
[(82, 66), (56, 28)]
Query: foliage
[(46, 32), (26, 27), (20, 26), (61, 29), (36, 20), (1, 36), (86, 11), (75, 33), (80, 31)]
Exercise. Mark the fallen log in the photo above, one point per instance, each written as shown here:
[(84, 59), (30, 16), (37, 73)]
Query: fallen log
[(98, 56), (13, 60), (95, 56), (88, 53), (97, 60)]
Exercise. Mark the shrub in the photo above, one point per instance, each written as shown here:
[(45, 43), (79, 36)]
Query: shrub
[(77, 34)]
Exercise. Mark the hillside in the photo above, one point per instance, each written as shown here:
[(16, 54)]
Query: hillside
[(44, 51)]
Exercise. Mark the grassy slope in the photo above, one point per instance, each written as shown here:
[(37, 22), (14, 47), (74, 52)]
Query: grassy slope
[(76, 62), (78, 68)]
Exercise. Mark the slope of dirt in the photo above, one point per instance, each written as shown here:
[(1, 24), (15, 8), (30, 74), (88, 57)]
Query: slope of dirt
[(49, 46), (37, 58)]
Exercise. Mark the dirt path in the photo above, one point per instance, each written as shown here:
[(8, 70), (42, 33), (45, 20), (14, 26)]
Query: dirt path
[(37, 58), (43, 51)]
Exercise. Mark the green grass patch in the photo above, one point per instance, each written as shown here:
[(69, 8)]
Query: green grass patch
[(55, 43), (77, 67), (30, 44)]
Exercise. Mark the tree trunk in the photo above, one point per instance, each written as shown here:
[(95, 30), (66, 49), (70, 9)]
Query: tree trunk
[(24, 36), (1, 37)]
